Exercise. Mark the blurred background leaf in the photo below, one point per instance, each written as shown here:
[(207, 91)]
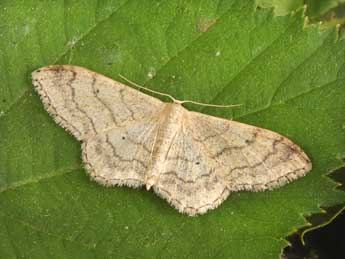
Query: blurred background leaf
[(328, 12), (281, 7)]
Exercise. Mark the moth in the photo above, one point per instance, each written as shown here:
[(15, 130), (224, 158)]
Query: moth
[(192, 160)]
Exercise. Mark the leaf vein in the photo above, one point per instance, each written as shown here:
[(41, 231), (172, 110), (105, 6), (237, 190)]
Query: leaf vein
[(265, 50), (295, 69), (97, 23), (289, 99), (39, 179)]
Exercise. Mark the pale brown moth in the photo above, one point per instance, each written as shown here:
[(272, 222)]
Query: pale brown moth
[(192, 160)]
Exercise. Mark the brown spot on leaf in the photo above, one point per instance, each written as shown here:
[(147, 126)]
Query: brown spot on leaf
[(203, 23)]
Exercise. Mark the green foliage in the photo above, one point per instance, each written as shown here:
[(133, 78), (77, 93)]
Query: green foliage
[(289, 79), (281, 7)]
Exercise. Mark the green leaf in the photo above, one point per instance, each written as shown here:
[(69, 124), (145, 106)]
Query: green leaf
[(288, 78), (329, 12)]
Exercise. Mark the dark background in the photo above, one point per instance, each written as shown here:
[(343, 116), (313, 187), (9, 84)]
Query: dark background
[(327, 242)]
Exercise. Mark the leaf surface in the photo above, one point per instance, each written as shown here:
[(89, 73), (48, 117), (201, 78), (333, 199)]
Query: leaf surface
[(288, 78)]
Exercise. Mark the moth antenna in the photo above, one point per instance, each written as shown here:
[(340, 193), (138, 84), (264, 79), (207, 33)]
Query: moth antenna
[(175, 100), (148, 89), (212, 105)]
